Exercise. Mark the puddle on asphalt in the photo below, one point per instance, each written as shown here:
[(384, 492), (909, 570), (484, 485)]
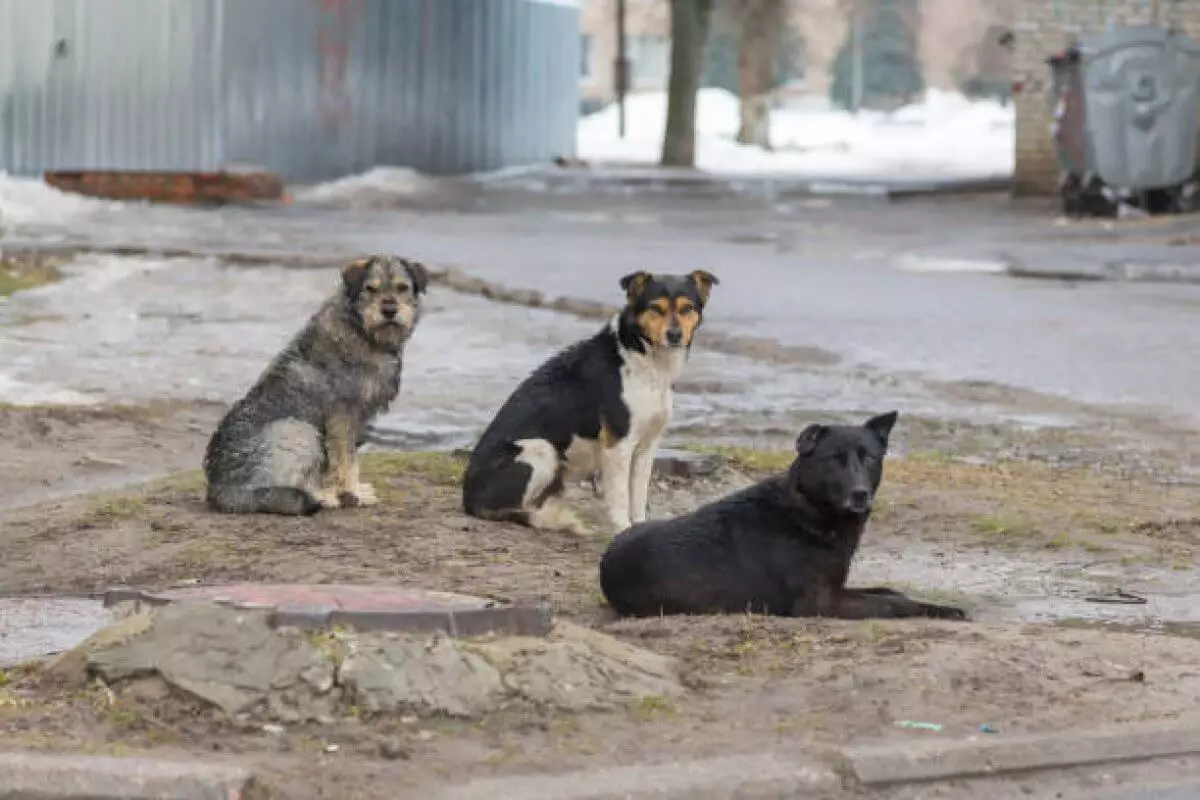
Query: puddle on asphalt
[(31, 627)]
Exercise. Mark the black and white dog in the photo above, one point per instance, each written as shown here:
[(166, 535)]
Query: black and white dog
[(782, 546), (600, 406)]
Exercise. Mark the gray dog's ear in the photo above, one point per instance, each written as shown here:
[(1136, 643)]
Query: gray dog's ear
[(634, 282), (419, 275), (354, 273), (882, 425), (808, 439)]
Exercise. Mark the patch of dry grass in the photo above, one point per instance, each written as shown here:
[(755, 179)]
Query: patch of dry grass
[(21, 272), (439, 467)]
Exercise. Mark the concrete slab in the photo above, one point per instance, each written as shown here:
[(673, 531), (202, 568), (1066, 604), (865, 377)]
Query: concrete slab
[(686, 464), (946, 759), (74, 777), (380, 607), (764, 775)]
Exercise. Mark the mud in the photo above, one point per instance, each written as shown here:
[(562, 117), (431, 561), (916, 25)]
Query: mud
[(983, 535)]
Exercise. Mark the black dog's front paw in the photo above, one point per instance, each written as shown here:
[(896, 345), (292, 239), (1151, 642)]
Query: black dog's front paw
[(943, 612)]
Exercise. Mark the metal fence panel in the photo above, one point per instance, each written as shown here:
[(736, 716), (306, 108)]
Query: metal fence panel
[(312, 89), (122, 84)]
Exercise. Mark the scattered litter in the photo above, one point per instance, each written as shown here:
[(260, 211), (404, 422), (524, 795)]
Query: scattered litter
[(93, 460), (1118, 596), (331, 748), (985, 728), (275, 730), (920, 726)]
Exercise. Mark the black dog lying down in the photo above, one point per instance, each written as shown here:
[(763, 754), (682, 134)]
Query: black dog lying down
[(782, 546)]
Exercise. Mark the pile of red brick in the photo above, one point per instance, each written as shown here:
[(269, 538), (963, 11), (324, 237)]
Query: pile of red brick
[(192, 188)]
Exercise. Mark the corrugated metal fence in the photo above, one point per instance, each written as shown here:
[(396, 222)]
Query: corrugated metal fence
[(311, 89)]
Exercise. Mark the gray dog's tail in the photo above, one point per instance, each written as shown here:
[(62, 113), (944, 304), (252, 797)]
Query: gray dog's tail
[(266, 500)]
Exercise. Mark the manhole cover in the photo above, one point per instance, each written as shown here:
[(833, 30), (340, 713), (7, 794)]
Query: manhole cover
[(347, 597), (368, 607)]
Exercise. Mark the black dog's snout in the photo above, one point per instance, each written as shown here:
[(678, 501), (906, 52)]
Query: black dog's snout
[(674, 336), (859, 500)]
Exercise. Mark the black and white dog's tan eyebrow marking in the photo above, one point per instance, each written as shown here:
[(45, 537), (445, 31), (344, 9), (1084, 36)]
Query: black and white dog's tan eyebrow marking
[(599, 407)]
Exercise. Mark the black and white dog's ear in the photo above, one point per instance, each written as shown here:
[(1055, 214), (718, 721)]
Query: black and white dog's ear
[(882, 425), (634, 282), (418, 274), (809, 438), (704, 281)]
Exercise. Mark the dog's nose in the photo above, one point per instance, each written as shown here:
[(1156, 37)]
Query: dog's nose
[(674, 336), (390, 311), (858, 501)]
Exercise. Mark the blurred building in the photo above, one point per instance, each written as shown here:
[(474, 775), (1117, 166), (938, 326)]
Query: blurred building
[(309, 89)]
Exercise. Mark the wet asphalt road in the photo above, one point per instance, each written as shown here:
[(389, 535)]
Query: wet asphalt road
[(841, 274)]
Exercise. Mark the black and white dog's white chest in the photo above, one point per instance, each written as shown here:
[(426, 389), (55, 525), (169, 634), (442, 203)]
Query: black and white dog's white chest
[(646, 391)]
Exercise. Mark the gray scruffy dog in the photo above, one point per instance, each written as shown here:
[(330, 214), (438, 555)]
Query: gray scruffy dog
[(290, 446)]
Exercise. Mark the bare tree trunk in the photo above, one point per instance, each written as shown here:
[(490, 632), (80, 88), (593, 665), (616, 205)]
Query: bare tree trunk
[(689, 31), (758, 43)]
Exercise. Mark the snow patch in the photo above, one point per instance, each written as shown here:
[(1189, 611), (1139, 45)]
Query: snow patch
[(30, 201), (371, 188), (946, 135)]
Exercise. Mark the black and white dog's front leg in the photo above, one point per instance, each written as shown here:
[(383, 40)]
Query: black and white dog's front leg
[(616, 469), (639, 477)]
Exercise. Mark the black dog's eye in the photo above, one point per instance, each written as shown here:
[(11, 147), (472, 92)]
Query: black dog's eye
[(870, 460)]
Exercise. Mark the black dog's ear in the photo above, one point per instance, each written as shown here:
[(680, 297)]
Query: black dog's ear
[(354, 273), (882, 425), (704, 282), (808, 439), (418, 274), (634, 282)]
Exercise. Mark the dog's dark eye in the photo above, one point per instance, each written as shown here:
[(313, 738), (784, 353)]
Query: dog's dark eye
[(687, 311), (371, 289), (401, 288), (656, 311)]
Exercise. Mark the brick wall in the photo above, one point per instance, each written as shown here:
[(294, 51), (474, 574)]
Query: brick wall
[(1047, 26)]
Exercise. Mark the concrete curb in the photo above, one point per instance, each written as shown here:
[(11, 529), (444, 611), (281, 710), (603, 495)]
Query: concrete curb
[(1124, 271), (665, 179), (726, 777), (946, 759), (26, 776)]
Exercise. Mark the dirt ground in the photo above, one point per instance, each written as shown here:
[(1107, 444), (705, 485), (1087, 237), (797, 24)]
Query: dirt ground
[(54, 451), (757, 684)]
